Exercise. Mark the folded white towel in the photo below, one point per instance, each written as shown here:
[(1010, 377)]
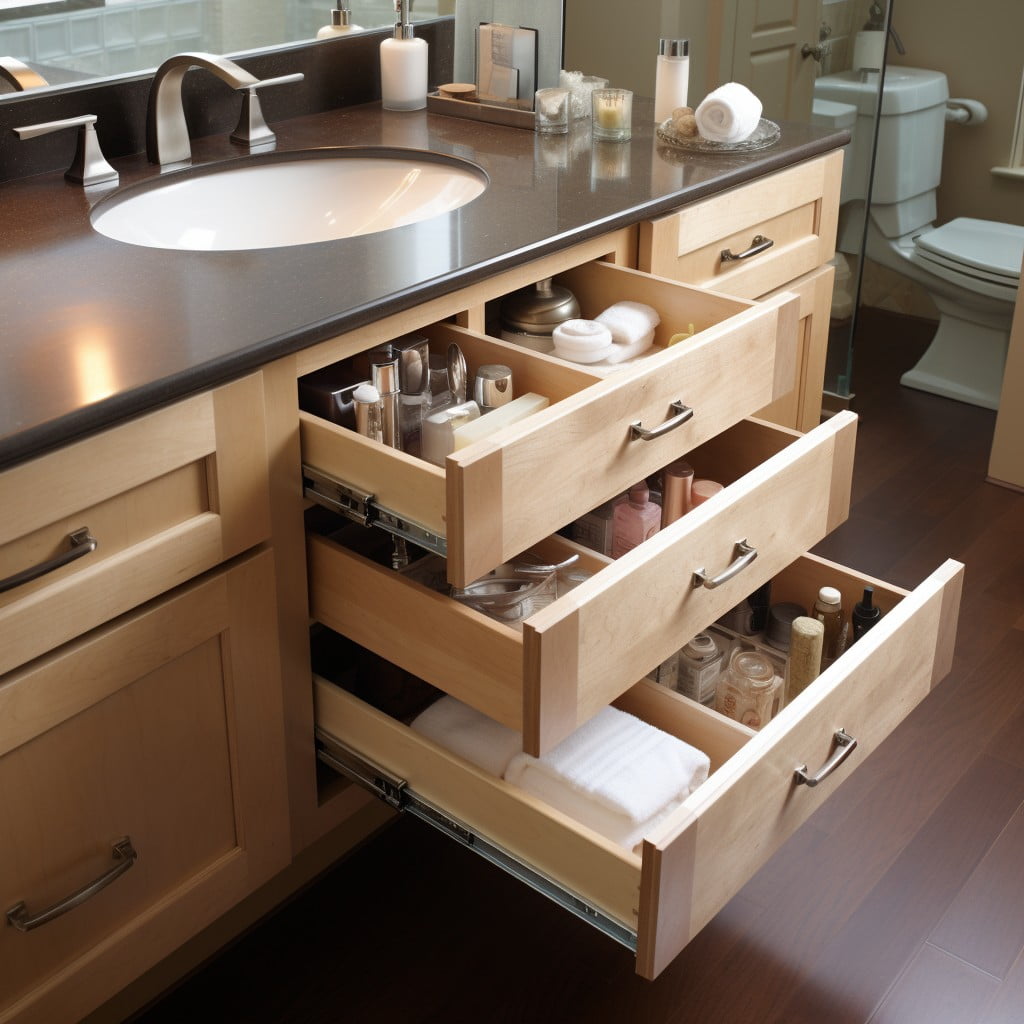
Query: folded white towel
[(582, 341), (729, 114), (632, 325), (469, 734), (616, 774)]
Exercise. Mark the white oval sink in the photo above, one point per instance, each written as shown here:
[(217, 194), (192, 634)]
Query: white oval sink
[(287, 199)]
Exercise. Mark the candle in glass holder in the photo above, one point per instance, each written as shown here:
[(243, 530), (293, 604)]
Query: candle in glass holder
[(613, 114)]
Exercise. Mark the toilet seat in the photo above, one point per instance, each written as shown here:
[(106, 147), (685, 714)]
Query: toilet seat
[(983, 256)]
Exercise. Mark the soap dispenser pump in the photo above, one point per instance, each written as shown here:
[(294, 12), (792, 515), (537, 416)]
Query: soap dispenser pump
[(341, 22), (403, 65)]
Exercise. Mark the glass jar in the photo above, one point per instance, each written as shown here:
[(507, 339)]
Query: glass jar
[(748, 690)]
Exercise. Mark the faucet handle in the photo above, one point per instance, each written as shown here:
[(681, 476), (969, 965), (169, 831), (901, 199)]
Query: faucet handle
[(252, 129), (89, 166)]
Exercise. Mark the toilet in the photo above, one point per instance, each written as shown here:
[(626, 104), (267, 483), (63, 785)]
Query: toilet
[(971, 268)]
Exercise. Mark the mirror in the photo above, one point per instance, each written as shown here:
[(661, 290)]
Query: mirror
[(73, 41)]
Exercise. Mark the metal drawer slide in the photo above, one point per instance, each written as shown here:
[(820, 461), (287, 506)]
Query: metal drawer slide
[(397, 794)]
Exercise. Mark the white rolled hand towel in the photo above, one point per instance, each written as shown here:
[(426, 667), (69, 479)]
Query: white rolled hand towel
[(582, 341), (632, 325), (729, 114)]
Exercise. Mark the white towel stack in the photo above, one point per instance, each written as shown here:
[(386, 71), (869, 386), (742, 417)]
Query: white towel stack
[(729, 114), (632, 326), (470, 734), (616, 774), (582, 341)]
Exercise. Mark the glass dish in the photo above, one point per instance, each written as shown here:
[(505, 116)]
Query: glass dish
[(766, 134)]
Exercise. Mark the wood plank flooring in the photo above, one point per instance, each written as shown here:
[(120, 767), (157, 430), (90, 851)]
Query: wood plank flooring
[(901, 901)]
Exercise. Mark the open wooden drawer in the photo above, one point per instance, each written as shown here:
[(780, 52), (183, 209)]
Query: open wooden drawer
[(656, 899), (785, 492), (533, 477)]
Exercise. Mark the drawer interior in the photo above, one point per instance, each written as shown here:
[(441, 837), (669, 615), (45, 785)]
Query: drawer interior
[(750, 786), (524, 481), (567, 660)]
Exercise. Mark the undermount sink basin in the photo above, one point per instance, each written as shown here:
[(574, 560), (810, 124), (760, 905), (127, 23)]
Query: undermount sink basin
[(283, 199)]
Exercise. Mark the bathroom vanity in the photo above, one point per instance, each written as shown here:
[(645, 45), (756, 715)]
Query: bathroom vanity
[(157, 687)]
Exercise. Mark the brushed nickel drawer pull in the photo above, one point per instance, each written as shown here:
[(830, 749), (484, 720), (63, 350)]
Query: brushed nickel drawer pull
[(757, 244), (683, 413), (82, 542), (124, 854), (845, 746), (742, 555)]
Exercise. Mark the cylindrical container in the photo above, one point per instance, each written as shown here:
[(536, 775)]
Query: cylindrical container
[(781, 617), (367, 408), (865, 614), (551, 111), (403, 65), (676, 480), (806, 637), (613, 114), (438, 391), (384, 377), (701, 490), (530, 315), (492, 387), (634, 520), (341, 22), (437, 438), (700, 664), (868, 51), (828, 610), (748, 689), (671, 77)]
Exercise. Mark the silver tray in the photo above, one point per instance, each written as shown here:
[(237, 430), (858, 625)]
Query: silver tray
[(767, 133)]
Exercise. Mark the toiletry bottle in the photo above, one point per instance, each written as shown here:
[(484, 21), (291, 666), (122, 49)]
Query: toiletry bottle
[(635, 520), (403, 65), (700, 664), (384, 377), (828, 610), (677, 478), (341, 22), (805, 643), (748, 689), (672, 77), (367, 407), (865, 614)]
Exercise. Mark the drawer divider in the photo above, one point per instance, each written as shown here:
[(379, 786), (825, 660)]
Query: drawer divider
[(397, 794)]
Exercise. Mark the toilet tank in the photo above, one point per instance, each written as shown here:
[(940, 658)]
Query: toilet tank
[(911, 123)]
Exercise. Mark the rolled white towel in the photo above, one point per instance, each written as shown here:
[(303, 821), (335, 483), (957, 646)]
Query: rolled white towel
[(582, 341), (616, 774), (632, 325), (729, 114), (465, 731)]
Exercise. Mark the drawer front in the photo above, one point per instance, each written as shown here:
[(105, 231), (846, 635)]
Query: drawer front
[(526, 481), (706, 850), (575, 656), (146, 731), (797, 209), (161, 499)]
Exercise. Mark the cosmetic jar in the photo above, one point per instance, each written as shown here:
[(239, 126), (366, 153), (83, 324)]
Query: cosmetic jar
[(529, 316), (700, 664), (492, 387), (748, 691), (780, 624)]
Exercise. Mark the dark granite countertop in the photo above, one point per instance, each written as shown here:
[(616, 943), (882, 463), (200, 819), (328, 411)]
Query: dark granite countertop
[(94, 331)]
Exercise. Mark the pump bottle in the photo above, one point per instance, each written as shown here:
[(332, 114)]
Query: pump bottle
[(341, 22), (403, 65)]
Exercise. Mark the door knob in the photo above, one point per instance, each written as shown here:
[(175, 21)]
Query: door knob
[(818, 52)]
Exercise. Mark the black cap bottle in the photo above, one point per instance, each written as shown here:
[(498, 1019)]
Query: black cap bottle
[(865, 614)]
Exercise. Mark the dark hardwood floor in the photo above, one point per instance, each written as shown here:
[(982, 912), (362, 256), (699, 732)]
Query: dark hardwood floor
[(901, 901)]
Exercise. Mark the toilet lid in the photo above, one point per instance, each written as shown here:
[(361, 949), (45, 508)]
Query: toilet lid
[(978, 247)]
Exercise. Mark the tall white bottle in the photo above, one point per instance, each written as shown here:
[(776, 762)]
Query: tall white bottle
[(403, 65), (672, 77)]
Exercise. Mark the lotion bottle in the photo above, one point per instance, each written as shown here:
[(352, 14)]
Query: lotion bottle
[(634, 520), (403, 65), (671, 78), (341, 22)]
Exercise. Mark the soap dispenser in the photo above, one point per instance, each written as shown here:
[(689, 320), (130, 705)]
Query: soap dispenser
[(341, 22), (403, 65)]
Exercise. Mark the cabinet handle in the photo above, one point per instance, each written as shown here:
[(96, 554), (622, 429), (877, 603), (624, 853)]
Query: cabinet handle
[(683, 413), (82, 542), (845, 746), (18, 915), (742, 555), (757, 244)]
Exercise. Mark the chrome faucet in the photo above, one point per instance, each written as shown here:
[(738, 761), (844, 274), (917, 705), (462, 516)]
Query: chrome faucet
[(20, 75), (167, 140)]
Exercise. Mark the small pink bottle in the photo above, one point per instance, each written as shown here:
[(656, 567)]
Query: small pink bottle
[(635, 520)]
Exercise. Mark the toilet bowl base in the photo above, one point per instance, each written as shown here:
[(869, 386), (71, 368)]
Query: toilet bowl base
[(964, 362)]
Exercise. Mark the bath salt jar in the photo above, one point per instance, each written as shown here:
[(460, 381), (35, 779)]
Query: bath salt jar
[(748, 691), (551, 111)]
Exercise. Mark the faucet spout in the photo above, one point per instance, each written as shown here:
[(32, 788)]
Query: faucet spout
[(20, 75), (167, 140)]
